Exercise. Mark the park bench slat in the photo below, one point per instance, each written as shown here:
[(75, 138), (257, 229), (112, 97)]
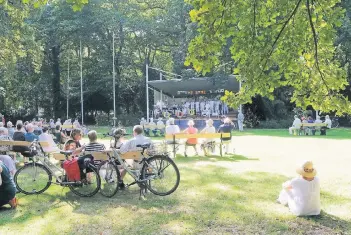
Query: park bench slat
[(14, 143), (313, 124), (200, 135), (59, 156), (101, 156)]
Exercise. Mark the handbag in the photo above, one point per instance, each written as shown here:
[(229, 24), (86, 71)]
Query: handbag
[(72, 169)]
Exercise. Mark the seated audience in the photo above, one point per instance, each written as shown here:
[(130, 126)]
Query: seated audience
[(48, 138), (207, 130), (160, 126), (9, 161), (172, 129), (19, 136), (7, 187), (191, 141), (93, 145), (60, 137), (30, 136), (10, 129), (226, 127), (302, 194), (119, 139), (296, 125)]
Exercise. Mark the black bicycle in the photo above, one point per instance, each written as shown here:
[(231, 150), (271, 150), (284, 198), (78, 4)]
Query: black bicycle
[(157, 173), (36, 176)]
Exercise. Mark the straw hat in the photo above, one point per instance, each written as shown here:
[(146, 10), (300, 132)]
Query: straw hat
[(307, 170)]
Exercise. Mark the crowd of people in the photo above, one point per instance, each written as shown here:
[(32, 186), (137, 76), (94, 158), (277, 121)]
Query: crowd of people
[(298, 127), (195, 108), (301, 194)]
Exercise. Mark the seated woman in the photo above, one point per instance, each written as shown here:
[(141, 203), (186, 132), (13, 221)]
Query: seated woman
[(208, 143), (302, 194), (60, 137), (7, 187), (19, 136), (191, 141)]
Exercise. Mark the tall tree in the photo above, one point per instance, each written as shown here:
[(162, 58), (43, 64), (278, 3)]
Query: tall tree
[(275, 44)]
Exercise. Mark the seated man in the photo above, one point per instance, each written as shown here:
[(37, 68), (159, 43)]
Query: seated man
[(7, 187), (131, 145), (227, 127), (296, 125), (302, 194), (93, 145), (138, 139), (30, 136), (20, 136)]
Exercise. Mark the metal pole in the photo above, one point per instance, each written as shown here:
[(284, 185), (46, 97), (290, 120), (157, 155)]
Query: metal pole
[(161, 90), (81, 80), (239, 90), (68, 88), (147, 92), (114, 80)]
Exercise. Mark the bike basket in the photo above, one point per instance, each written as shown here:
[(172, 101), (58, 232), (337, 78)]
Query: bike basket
[(157, 149)]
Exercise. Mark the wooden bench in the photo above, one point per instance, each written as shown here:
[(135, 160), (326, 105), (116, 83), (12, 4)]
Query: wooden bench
[(310, 125), (178, 136), (102, 156), (22, 143)]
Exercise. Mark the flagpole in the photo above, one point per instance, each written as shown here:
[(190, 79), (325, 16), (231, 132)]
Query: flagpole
[(81, 80), (114, 79)]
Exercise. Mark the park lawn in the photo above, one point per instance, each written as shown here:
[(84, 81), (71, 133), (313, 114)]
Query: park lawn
[(211, 199), (338, 133)]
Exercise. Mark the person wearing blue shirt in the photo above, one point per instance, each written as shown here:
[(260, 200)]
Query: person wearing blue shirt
[(30, 136)]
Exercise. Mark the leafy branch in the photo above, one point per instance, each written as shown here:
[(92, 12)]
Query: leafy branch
[(315, 44)]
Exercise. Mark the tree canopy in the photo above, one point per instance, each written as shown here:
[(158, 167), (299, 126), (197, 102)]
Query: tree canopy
[(274, 44)]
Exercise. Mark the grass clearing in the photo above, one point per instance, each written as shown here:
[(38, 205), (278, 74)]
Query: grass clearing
[(213, 198)]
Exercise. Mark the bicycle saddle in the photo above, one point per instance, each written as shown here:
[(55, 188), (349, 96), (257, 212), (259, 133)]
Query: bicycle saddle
[(143, 146), (68, 152)]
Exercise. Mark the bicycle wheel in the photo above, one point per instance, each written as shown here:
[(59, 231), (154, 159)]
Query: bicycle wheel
[(33, 179), (162, 175), (110, 177), (89, 184)]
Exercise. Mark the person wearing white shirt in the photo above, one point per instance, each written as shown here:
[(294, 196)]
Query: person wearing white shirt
[(172, 129), (208, 143), (328, 121), (160, 126), (45, 137), (76, 124), (296, 125), (197, 107), (241, 121), (302, 194), (139, 139)]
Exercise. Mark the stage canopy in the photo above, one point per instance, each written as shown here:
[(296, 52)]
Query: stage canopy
[(195, 86)]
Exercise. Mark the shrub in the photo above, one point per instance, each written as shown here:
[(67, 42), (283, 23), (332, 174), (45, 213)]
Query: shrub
[(275, 124)]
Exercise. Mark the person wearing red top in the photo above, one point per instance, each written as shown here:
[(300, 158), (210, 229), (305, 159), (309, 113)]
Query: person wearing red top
[(191, 141)]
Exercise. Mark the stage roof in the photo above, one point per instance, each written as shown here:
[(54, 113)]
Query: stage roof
[(194, 86)]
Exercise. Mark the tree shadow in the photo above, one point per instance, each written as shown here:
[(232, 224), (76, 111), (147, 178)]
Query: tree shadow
[(214, 158)]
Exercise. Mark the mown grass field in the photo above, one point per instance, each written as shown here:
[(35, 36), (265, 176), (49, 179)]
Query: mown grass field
[(211, 199)]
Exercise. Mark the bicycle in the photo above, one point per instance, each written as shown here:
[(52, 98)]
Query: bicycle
[(36, 176), (155, 170)]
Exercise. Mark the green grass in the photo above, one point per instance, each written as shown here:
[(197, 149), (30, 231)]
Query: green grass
[(212, 199), (338, 133)]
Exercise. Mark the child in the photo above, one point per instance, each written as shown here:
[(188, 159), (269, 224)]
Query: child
[(302, 194)]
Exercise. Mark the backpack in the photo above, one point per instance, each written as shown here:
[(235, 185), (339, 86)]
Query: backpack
[(72, 169)]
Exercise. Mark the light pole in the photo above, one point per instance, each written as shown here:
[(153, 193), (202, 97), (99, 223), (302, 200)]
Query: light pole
[(114, 79), (81, 80)]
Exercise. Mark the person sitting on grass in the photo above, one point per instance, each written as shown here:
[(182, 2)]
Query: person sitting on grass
[(302, 194), (208, 143), (7, 187), (191, 141)]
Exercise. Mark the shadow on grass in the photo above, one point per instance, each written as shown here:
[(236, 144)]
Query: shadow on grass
[(231, 158), (209, 200)]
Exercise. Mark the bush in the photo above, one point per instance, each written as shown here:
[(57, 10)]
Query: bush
[(275, 124)]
